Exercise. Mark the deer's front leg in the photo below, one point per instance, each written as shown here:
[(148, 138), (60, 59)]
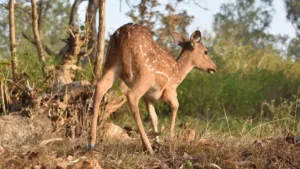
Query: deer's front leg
[(171, 98), (174, 106)]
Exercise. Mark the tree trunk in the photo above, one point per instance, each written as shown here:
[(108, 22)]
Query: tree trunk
[(101, 41), (74, 15), (37, 36), (91, 26), (42, 11), (39, 12), (14, 60)]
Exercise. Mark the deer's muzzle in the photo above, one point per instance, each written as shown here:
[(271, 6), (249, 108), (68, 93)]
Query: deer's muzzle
[(211, 71)]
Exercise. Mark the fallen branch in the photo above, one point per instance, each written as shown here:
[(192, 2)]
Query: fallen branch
[(212, 165), (43, 143)]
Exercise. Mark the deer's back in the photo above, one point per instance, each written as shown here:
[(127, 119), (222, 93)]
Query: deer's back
[(144, 53), (139, 54)]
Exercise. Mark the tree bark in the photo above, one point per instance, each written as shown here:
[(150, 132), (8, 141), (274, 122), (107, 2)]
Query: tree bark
[(14, 60), (101, 41), (91, 26), (37, 36), (39, 12)]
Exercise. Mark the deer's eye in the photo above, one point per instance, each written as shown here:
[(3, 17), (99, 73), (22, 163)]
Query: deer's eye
[(206, 52)]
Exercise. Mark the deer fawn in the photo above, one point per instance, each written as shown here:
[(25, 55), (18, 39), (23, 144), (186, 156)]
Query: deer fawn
[(149, 72)]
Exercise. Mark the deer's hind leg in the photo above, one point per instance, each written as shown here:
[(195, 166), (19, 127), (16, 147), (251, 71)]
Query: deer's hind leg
[(140, 87), (106, 81)]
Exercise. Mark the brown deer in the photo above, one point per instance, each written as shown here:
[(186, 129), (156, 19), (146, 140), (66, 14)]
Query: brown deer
[(149, 72)]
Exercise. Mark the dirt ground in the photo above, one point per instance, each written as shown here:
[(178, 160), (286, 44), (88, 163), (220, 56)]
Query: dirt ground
[(32, 143)]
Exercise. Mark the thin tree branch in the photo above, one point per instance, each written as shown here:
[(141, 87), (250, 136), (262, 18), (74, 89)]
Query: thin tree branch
[(14, 61), (129, 4), (37, 37), (200, 6)]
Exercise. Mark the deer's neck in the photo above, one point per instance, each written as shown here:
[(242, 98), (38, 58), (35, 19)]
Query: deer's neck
[(184, 64)]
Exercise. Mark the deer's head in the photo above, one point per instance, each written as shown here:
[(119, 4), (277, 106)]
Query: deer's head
[(195, 50)]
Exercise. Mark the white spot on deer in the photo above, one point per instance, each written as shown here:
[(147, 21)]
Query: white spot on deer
[(162, 73), (150, 68), (141, 50)]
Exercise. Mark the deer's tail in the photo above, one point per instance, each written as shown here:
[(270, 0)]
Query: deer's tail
[(125, 55), (119, 45)]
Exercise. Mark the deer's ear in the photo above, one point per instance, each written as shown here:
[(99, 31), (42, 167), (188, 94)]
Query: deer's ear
[(195, 38), (177, 38)]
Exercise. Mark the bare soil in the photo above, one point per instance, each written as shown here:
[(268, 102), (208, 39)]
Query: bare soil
[(31, 143)]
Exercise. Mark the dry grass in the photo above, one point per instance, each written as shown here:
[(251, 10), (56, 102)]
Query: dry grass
[(211, 149)]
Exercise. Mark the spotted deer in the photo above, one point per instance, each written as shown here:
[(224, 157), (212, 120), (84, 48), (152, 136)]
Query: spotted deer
[(149, 72)]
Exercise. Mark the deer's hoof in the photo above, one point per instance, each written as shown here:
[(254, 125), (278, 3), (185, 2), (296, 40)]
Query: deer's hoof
[(89, 146)]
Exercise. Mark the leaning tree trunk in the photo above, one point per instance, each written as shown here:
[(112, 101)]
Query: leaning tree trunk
[(101, 42), (74, 15), (14, 60), (37, 37)]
